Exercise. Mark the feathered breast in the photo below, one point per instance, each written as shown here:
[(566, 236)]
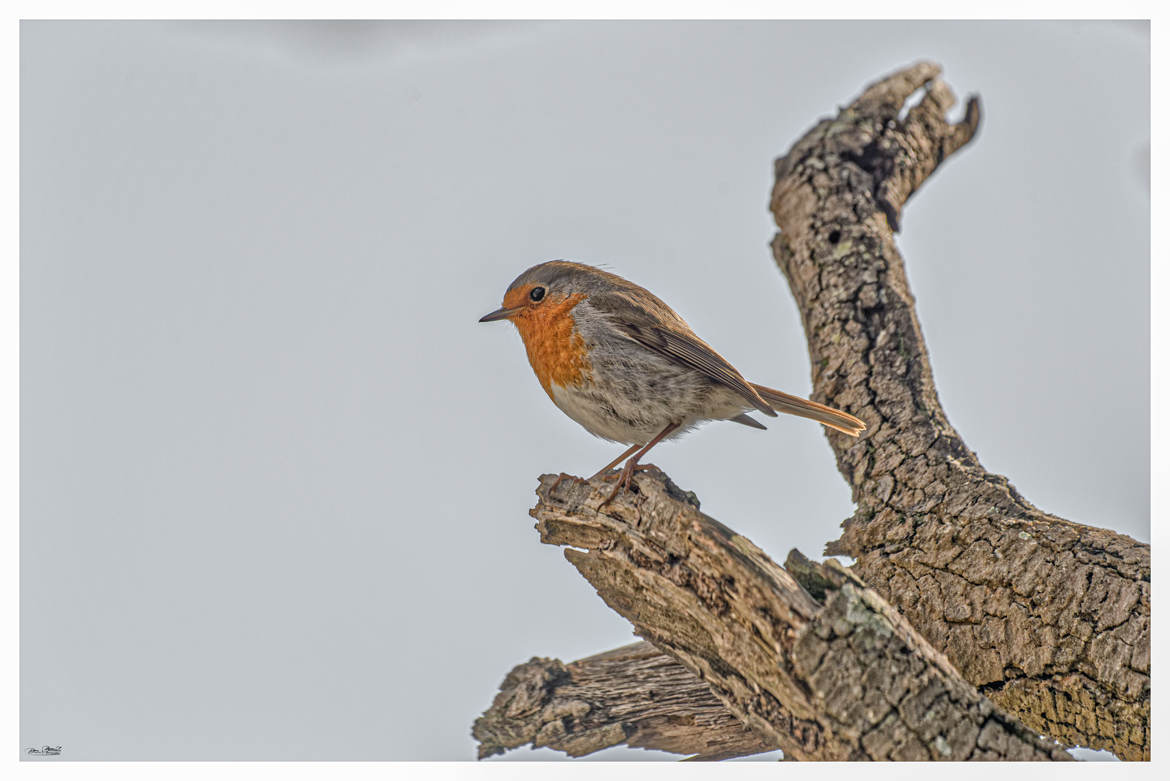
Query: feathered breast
[(555, 349)]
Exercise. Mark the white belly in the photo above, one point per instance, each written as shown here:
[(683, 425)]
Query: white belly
[(611, 416)]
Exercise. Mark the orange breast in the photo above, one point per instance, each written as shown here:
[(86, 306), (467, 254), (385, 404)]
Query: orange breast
[(555, 349)]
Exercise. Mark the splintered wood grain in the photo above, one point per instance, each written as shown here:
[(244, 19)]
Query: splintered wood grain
[(635, 695), (843, 679)]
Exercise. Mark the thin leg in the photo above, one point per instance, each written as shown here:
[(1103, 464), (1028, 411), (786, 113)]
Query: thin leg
[(604, 470), (615, 462), (631, 465)]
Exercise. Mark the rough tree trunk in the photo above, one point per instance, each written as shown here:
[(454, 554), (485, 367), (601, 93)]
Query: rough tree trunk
[(1051, 619), (1047, 618)]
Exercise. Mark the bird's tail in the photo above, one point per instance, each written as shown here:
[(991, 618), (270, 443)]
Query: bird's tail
[(794, 405)]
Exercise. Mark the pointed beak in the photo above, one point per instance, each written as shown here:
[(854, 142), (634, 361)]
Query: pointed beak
[(503, 313)]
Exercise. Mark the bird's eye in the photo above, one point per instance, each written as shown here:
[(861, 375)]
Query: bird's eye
[(536, 294)]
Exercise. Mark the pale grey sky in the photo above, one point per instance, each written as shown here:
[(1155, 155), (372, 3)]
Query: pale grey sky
[(275, 477)]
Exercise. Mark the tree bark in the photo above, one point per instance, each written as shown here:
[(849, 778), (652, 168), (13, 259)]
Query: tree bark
[(842, 679), (1047, 618), (635, 695)]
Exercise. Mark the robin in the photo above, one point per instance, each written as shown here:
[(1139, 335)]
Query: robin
[(616, 359)]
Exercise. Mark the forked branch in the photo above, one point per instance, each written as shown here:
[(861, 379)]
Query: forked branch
[(837, 679), (1047, 619)]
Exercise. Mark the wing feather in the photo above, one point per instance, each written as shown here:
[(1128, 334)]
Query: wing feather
[(748, 420), (670, 336)]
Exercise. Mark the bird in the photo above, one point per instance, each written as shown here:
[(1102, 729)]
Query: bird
[(621, 363)]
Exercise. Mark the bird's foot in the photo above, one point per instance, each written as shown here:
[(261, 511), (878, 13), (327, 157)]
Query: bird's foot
[(565, 476), (624, 480)]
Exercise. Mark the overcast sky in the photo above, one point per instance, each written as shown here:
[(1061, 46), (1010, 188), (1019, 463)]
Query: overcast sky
[(275, 477)]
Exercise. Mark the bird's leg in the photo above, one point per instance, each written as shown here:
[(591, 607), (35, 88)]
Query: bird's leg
[(632, 465), (603, 471), (615, 462)]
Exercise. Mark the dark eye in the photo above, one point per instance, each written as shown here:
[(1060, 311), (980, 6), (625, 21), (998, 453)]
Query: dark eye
[(536, 294)]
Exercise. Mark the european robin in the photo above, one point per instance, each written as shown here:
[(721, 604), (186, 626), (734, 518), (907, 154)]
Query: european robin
[(616, 359)]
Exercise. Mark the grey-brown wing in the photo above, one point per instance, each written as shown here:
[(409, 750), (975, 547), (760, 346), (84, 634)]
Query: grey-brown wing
[(676, 343)]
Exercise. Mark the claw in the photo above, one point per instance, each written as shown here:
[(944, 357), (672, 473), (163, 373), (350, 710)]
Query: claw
[(625, 480), (562, 476)]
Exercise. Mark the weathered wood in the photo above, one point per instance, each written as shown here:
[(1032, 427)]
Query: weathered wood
[(1049, 618), (844, 679), (635, 695)]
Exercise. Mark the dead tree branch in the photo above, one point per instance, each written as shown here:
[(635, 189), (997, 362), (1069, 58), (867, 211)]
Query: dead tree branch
[(844, 679), (635, 695), (1047, 618)]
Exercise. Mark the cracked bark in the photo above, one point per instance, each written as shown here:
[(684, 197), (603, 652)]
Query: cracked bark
[(838, 679), (634, 695), (1047, 618)]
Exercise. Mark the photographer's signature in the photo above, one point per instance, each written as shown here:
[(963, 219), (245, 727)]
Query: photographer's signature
[(45, 751)]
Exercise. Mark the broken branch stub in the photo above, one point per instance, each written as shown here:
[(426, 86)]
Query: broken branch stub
[(844, 679)]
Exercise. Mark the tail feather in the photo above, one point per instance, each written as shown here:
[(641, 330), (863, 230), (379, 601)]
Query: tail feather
[(794, 405)]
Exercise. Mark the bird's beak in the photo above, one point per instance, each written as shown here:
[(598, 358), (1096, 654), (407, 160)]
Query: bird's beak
[(503, 313)]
